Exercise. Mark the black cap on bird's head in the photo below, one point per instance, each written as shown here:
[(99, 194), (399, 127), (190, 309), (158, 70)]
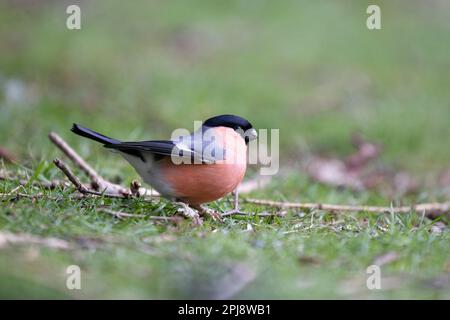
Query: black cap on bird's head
[(239, 124)]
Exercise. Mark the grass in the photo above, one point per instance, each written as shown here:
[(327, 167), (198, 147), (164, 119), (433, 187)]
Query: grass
[(311, 69)]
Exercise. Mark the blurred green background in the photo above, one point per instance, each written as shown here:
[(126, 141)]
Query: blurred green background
[(138, 69)]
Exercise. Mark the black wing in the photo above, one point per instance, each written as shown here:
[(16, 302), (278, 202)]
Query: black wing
[(157, 147)]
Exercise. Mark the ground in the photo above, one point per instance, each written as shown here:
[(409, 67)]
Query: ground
[(313, 70)]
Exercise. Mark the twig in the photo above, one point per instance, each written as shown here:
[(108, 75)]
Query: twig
[(121, 214), (77, 183), (21, 195), (74, 179), (82, 188), (262, 214), (50, 185), (423, 207)]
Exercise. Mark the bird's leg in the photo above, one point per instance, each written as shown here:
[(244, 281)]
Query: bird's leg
[(236, 199), (236, 204), (189, 212), (205, 211)]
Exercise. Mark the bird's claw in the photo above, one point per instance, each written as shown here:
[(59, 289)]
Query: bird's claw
[(215, 215), (190, 213)]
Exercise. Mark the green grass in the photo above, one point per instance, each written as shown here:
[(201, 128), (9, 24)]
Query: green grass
[(312, 70)]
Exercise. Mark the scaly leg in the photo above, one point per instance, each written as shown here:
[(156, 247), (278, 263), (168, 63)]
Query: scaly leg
[(190, 213)]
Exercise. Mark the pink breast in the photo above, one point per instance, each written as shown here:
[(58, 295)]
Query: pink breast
[(201, 183)]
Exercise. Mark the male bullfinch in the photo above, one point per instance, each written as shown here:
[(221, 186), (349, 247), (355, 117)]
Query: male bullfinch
[(193, 169)]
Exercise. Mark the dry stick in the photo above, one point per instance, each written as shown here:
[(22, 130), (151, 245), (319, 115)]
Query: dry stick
[(74, 179), (120, 214), (21, 195), (77, 183), (50, 185), (423, 207), (262, 214), (82, 188)]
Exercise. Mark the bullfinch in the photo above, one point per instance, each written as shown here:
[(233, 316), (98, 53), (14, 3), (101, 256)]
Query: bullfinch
[(191, 169)]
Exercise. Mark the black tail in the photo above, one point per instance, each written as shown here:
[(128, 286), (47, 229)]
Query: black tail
[(88, 133)]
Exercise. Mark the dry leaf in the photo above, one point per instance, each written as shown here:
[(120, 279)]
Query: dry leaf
[(7, 155), (357, 172)]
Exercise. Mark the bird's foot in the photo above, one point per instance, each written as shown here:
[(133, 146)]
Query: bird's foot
[(236, 210), (205, 211), (189, 213)]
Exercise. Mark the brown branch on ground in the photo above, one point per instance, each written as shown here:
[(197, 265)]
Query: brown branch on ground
[(74, 179), (21, 195), (121, 215), (262, 214), (81, 187), (50, 185), (427, 208)]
